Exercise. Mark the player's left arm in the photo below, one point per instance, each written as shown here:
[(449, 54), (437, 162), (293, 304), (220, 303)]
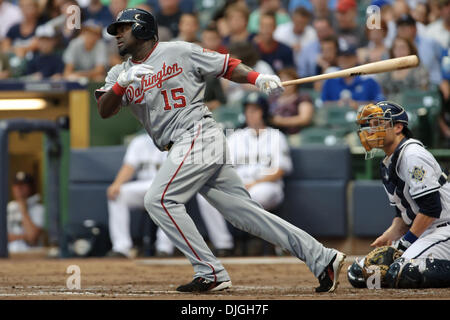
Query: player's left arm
[(423, 180)]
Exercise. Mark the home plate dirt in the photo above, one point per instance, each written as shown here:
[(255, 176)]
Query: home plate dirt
[(259, 278)]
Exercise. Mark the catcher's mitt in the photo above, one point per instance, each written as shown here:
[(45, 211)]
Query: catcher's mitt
[(381, 257)]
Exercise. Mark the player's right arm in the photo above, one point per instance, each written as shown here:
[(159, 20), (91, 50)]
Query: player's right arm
[(397, 229), (110, 96)]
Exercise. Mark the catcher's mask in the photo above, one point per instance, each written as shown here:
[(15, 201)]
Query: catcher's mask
[(373, 121)]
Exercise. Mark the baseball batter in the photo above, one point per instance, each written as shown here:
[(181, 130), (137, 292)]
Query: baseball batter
[(418, 188), (164, 83)]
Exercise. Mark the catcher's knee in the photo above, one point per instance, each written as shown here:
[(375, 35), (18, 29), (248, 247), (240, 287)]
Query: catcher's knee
[(419, 273), (403, 274)]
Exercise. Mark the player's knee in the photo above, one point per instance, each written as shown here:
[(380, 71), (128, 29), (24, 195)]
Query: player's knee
[(152, 202), (404, 274)]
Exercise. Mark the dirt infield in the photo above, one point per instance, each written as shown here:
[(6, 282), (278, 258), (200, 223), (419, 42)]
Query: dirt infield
[(261, 278)]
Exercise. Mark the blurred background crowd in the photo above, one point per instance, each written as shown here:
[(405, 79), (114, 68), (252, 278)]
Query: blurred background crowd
[(291, 38)]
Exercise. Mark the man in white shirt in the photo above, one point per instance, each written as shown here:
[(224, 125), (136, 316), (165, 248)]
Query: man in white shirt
[(298, 32), (439, 30), (25, 215), (10, 15)]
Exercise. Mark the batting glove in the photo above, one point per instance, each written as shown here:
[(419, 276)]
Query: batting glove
[(133, 74), (269, 84)]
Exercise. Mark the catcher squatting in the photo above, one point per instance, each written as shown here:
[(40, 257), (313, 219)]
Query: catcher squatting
[(414, 252), (164, 83)]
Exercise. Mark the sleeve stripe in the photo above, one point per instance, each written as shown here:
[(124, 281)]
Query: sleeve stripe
[(225, 64), (424, 193)]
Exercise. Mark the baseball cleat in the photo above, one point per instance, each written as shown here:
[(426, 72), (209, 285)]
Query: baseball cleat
[(328, 279), (204, 285)]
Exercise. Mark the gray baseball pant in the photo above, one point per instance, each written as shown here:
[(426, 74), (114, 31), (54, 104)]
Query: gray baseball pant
[(198, 162)]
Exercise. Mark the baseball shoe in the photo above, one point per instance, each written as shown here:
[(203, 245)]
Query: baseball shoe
[(203, 285), (328, 279)]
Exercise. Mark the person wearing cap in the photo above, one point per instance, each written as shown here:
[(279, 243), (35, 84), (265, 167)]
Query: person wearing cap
[(45, 63), (347, 24), (429, 50), (306, 61), (418, 189), (25, 215), (260, 155), (350, 91), (87, 55)]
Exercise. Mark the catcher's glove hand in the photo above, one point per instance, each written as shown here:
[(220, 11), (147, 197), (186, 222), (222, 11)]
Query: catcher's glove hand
[(382, 258)]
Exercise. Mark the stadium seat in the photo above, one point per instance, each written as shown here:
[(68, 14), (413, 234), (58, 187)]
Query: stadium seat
[(230, 117), (372, 214), (315, 192), (323, 136)]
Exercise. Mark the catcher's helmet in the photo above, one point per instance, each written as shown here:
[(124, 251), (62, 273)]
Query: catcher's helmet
[(144, 23), (372, 120)]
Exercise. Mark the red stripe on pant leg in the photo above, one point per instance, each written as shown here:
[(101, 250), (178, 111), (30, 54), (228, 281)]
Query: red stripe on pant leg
[(170, 216)]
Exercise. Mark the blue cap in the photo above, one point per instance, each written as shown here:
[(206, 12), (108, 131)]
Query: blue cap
[(346, 49), (394, 111), (380, 3)]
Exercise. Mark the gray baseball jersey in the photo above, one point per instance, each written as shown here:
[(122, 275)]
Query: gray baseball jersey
[(170, 100)]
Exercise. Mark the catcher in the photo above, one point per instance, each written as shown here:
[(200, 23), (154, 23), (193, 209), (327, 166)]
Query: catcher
[(414, 252)]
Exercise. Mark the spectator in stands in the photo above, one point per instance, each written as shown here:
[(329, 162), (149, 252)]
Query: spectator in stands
[(388, 18), (10, 15), (429, 50), (421, 12), (267, 6), (25, 215), (60, 23), (306, 61), (86, 56), (398, 81), (276, 54), (318, 8), (297, 33), (260, 155), (440, 29), (444, 117), (169, 15), (214, 93), (211, 39), (236, 17), (98, 12), (45, 62), (347, 24), (327, 59), (5, 70), (350, 91), (51, 10), (292, 110), (115, 6), (19, 38), (376, 49), (247, 53), (185, 5), (189, 28)]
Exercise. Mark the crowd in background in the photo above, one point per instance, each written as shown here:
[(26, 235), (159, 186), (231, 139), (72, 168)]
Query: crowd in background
[(296, 38)]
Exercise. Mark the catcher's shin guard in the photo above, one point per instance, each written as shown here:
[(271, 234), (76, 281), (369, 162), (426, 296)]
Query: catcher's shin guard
[(419, 273)]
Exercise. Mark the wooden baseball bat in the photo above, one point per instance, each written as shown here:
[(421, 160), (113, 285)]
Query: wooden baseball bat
[(368, 68)]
